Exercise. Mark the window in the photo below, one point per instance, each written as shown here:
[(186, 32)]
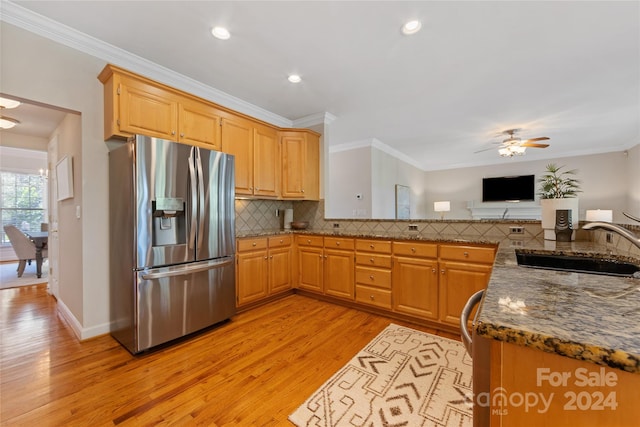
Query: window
[(22, 201)]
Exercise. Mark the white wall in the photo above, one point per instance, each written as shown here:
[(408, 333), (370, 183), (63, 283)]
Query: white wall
[(350, 175), (633, 181), (41, 70)]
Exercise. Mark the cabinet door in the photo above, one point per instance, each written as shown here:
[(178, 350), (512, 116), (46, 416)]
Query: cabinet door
[(458, 282), (266, 165), (252, 276), (293, 162), (147, 110), (415, 287), (279, 269), (237, 139), (199, 125), (339, 280), (310, 268)]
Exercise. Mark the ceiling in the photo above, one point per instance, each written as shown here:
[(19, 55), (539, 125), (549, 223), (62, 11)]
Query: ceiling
[(566, 70)]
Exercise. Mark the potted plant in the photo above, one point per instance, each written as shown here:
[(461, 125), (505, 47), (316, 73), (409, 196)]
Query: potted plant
[(558, 190)]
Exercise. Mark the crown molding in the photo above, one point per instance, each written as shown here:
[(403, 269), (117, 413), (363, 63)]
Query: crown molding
[(60, 33), (377, 144), (314, 119)]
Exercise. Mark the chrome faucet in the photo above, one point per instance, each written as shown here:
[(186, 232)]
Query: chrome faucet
[(627, 234)]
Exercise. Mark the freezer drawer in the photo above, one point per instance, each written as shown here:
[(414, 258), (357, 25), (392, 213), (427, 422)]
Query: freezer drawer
[(175, 301)]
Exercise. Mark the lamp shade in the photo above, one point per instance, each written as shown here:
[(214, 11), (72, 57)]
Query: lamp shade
[(602, 215), (442, 206)]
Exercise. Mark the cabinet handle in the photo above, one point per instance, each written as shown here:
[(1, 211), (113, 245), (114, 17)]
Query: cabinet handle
[(372, 297), (433, 270), (466, 254), (372, 260), (371, 246), (265, 257), (281, 240), (303, 190), (442, 271), (253, 244), (371, 277), (173, 132), (271, 257), (337, 243), (325, 257), (309, 241), (413, 250), (182, 135)]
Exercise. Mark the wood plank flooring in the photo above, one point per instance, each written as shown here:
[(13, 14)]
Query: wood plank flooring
[(252, 371)]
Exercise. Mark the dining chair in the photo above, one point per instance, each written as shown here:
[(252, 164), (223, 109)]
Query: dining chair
[(24, 248)]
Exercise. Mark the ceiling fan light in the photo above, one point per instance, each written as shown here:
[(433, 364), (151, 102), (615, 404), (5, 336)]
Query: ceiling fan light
[(7, 122), (518, 149), (294, 78), (8, 103), (505, 152)]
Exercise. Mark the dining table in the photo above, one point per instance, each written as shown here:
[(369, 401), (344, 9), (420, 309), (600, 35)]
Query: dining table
[(40, 239)]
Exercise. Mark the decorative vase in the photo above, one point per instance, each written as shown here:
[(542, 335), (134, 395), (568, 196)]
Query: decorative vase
[(549, 208), (563, 228)]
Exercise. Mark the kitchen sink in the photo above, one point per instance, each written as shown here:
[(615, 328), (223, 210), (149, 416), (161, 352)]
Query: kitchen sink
[(579, 264)]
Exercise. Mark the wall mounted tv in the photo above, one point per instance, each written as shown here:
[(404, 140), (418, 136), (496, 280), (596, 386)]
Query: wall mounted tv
[(508, 188)]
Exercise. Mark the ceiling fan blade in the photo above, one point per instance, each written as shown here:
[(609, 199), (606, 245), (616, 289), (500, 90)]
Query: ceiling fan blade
[(542, 138), (484, 149), (533, 145)]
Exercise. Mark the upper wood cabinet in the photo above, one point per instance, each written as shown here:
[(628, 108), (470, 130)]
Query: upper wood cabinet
[(134, 105), (300, 164), (270, 162)]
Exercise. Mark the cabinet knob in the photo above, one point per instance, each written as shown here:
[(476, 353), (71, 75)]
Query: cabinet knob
[(182, 135), (433, 270), (271, 257), (337, 243), (173, 132), (372, 247), (309, 241), (466, 254), (371, 277), (372, 297), (413, 250), (303, 190), (257, 189), (325, 257), (372, 260), (442, 271), (281, 240), (265, 257), (253, 244), (320, 256)]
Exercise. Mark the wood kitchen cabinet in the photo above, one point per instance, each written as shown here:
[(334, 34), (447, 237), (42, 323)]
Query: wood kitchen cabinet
[(338, 274), (266, 163), (135, 105), (300, 155), (415, 279), (464, 270), (326, 265), (263, 268), (237, 139), (373, 273)]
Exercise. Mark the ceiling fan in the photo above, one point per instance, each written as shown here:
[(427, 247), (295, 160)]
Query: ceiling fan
[(514, 146)]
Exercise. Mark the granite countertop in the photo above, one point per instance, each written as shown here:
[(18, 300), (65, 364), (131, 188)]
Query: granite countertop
[(590, 317)]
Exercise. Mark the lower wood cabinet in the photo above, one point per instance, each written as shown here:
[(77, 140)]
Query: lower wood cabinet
[(415, 279), (263, 268), (423, 280)]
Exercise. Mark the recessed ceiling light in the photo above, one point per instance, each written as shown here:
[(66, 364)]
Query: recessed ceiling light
[(411, 27), (294, 78), (220, 33), (8, 103)]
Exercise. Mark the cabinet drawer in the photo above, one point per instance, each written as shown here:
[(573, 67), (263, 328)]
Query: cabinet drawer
[(373, 277), (422, 250), (309, 240), (378, 246), (279, 241), (338, 243), (484, 255), (371, 260), (373, 296), (252, 244)]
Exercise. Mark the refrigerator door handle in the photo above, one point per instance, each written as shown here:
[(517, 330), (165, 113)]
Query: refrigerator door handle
[(194, 199), (186, 270), (201, 201)]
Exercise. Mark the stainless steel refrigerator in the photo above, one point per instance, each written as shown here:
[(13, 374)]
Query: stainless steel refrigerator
[(172, 240)]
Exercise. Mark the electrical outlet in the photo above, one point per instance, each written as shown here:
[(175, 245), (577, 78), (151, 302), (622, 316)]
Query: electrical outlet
[(413, 227), (609, 237), (336, 225), (516, 230)]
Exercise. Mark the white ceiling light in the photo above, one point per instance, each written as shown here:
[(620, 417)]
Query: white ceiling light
[(294, 78), (411, 27), (7, 122), (8, 103), (220, 33)]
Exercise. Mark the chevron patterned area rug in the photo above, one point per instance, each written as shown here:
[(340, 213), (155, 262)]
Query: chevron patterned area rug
[(403, 377)]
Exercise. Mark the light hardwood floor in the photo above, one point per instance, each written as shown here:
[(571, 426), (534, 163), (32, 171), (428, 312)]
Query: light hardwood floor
[(252, 371)]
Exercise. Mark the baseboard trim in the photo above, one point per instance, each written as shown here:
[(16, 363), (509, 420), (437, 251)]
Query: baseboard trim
[(81, 333)]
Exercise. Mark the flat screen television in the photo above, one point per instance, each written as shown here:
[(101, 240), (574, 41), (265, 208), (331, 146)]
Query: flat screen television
[(508, 188)]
